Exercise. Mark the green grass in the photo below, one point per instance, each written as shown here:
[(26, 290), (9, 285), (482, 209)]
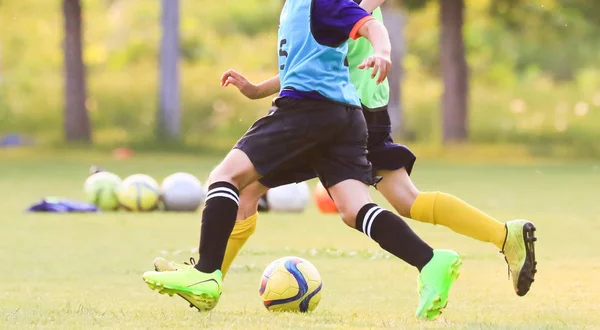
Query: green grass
[(84, 271)]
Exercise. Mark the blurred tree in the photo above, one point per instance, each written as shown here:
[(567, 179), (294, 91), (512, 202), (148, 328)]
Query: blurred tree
[(169, 114), (589, 10), (454, 71), (394, 21), (77, 122), (558, 37), (453, 66)]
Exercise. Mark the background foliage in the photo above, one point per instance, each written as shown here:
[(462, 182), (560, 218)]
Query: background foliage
[(534, 69)]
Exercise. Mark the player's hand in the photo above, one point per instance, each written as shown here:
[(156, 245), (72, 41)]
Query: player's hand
[(379, 63), (230, 77)]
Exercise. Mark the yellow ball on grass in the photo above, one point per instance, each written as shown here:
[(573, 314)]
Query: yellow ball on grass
[(101, 189), (139, 193)]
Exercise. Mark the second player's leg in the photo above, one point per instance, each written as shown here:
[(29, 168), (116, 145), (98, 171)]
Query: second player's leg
[(249, 197), (514, 238), (245, 223), (438, 208), (398, 189)]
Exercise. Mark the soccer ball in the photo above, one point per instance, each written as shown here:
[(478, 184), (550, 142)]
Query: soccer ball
[(292, 197), (182, 192), (291, 284), (101, 189), (139, 192)]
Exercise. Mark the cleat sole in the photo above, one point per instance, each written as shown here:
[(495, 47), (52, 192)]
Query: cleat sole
[(202, 301), (436, 306), (527, 274)]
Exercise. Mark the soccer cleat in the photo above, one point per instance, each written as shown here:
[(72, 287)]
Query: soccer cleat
[(200, 289), (434, 283), (519, 253), (164, 265)]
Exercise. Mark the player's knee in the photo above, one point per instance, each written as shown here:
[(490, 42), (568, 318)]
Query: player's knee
[(401, 196), (404, 202), (220, 175), (348, 214)]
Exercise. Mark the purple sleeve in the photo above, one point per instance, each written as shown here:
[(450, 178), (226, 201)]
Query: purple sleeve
[(332, 20)]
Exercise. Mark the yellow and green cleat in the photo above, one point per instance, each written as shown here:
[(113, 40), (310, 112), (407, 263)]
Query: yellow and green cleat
[(164, 265), (519, 253), (434, 283), (201, 290)]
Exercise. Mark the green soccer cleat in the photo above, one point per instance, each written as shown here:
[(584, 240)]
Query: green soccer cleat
[(434, 283), (201, 290), (164, 265), (519, 253)]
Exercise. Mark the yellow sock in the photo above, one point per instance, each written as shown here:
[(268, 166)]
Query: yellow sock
[(443, 209), (240, 234)]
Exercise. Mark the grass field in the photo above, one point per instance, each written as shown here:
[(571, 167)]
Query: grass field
[(84, 271)]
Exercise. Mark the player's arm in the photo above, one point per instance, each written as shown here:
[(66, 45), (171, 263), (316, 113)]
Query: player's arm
[(380, 61), (250, 90), (334, 21), (371, 5)]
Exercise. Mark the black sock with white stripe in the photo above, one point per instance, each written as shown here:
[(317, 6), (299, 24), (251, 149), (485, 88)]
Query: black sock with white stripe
[(218, 220), (393, 235)]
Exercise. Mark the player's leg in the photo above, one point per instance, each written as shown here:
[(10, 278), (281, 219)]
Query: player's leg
[(245, 226), (293, 171), (201, 285), (344, 170), (438, 208), (515, 238), (270, 142), (438, 268), (394, 162)]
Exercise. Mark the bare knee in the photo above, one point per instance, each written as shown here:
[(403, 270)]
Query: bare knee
[(236, 169), (404, 201), (398, 189), (219, 175), (349, 197), (348, 214)]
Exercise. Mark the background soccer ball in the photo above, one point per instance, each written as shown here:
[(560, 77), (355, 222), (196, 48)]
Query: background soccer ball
[(139, 192), (182, 192), (291, 284), (101, 189), (292, 197), (323, 200)]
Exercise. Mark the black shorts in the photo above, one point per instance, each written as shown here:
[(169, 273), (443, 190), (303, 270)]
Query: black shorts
[(383, 153), (320, 137)]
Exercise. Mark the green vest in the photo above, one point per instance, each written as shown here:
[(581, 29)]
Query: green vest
[(371, 95)]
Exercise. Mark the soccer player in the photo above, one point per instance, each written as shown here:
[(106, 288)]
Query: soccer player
[(393, 162), (317, 119)]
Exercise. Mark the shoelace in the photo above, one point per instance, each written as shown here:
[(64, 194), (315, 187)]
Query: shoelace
[(502, 251), (191, 263)]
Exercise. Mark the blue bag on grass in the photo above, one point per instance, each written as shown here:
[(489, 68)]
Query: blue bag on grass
[(61, 205)]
